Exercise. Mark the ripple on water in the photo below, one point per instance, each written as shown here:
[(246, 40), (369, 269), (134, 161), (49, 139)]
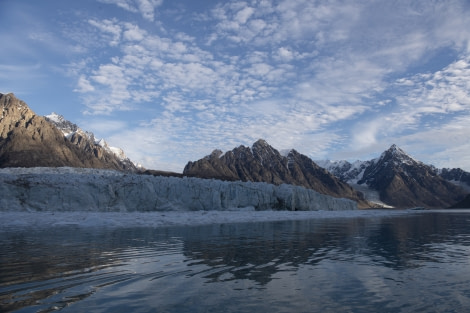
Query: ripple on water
[(394, 264)]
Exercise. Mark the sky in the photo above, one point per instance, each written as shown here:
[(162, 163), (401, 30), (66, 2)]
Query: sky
[(170, 81)]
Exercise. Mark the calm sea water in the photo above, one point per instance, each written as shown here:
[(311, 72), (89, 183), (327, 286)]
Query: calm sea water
[(411, 263)]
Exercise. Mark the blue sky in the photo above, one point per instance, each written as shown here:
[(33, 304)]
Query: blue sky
[(169, 81)]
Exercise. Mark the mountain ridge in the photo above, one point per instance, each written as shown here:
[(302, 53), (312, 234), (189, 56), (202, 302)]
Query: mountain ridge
[(70, 130), (30, 140), (263, 163)]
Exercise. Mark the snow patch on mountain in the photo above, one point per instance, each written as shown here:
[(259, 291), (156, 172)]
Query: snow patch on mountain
[(66, 127), (398, 156), (348, 172), (69, 129)]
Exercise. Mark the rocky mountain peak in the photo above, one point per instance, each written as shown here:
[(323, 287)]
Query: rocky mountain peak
[(61, 123), (397, 156), (14, 113), (214, 154), (265, 153), (261, 143)]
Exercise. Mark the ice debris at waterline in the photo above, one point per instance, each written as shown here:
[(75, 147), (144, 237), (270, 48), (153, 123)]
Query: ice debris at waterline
[(72, 189)]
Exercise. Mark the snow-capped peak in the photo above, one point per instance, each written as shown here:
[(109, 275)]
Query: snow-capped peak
[(56, 118), (102, 143), (65, 126), (69, 129), (397, 155), (396, 151)]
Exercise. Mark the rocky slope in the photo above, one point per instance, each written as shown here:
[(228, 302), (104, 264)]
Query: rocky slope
[(263, 163), (400, 180), (29, 140)]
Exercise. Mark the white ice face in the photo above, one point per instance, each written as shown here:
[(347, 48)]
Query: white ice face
[(67, 189)]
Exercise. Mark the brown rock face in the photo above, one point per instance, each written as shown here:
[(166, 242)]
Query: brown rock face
[(28, 140), (263, 163)]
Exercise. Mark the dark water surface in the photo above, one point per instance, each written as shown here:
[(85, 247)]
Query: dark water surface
[(411, 263)]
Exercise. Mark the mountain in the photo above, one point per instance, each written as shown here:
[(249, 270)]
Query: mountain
[(30, 140), (263, 163), (400, 180), (74, 134), (456, 176)]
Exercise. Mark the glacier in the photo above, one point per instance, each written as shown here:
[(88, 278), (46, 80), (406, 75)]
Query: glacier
[(94, 190)]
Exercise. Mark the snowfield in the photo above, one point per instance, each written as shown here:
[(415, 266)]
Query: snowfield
[(92, 190)]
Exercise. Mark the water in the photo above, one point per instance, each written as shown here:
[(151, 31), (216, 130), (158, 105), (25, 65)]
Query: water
[(411, 263)]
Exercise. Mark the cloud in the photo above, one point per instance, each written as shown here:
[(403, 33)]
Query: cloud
[(244, 14), (425, 101), (128, 5), (348, 81), (145, 7), (285, 54), (101, 126), (442, 146), (109, 27), (13, 71), (134, 33), (112, 76), (163, 65), (84, 85), (444, 91), (293, 72)]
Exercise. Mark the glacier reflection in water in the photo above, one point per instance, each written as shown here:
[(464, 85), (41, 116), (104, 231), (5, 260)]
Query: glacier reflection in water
[(410, 263)]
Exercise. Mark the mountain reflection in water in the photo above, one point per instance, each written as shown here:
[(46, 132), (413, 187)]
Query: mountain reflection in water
[(415, 262)]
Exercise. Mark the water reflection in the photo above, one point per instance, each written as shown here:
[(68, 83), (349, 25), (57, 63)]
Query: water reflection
[(257, 252), (351, 264), (398, 243)]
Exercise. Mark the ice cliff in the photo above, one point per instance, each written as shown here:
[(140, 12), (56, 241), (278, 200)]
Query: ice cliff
[(70, 189)]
